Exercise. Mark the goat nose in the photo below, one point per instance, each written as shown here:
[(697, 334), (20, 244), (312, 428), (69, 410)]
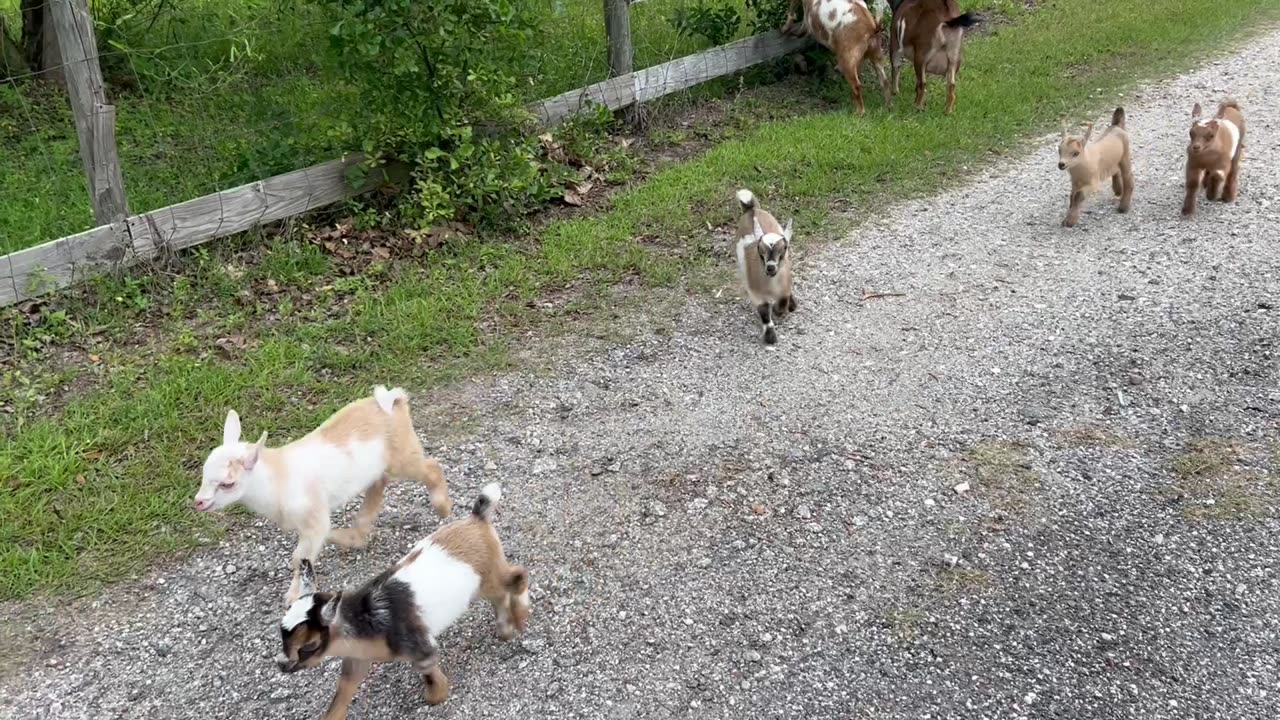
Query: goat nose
[(201, 505), (1062, 166)]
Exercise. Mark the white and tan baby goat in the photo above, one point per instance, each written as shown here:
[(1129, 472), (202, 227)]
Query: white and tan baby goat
[(358, 450), (764, 263), (398, 615)]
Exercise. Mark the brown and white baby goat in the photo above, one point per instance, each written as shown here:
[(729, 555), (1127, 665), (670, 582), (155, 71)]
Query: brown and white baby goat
[(764, 263), (848, 29), (358, 450), (1091, 165), (398, 615), (1214, 155), (931, 33)]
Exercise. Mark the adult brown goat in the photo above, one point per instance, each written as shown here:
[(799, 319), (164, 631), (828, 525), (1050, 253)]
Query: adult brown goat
[(848, 29), (931, 33)]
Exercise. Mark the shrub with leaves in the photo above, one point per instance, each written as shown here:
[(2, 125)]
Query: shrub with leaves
[(718, 23), (437, 84), (769, 14)]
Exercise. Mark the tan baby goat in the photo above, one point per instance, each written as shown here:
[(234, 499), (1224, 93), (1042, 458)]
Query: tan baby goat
[(358, 450), (1091, 165), (764, 263), (398, 615)]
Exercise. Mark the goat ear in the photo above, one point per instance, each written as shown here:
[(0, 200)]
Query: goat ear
[(1196, 112), (255, 452), (786, 229), (307, 576), (1064, 129), (1088, 132), (329, 611), (756, 230), (231, 428)]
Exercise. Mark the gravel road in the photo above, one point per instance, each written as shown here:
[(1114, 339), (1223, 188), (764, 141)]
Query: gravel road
[(721, 530)]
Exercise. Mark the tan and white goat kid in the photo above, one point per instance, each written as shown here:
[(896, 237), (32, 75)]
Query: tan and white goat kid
[(764, 263), (931, 34), (1091, 165), (848, 29), (398, 615), (1214, 154), (358, 450)]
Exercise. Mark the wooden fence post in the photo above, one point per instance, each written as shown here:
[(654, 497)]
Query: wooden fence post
[(94, 116), (617, 25)]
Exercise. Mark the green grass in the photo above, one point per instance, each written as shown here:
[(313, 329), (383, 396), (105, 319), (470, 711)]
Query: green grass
[(218, 94), (102, 455)]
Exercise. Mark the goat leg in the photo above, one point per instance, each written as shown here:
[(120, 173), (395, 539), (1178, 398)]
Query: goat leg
[(1193, 186), (353, 673), (765, 310), (1073, 212)]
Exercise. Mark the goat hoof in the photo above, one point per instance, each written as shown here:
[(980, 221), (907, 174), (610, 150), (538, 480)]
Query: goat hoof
[(770, 337)]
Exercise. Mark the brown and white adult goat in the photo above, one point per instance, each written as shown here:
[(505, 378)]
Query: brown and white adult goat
[(931, 33), (358, 450), (1091, 165), (1214, 155), (848, 29), (398, 615)]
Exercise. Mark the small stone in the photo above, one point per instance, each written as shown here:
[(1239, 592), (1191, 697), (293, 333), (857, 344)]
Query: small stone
[(279, 696), (803, 512), (535, 645), (1126, 297), (1030, 698), (543, 465), (614, 467), (491, 466), (842, 629), (705, 563), (657, 509), (962, 488), (813, 527), (766, 637), (1159, 539), (1240, 589), (950, 560), (752, 656), (553, 689), (1135, 379), (738, 545), (229, 569), (697, 505), (929, 502), (162, 648), (1108, 638)]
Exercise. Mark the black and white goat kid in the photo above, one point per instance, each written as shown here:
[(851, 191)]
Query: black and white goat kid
[(397, 615), (764, 263)]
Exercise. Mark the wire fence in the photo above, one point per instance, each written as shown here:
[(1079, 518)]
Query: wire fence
[(204, 97)]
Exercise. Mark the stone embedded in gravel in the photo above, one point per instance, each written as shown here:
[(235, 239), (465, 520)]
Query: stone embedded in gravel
[(491, 466), (753, 656), (229, 569), (803, 512), (961, 488)]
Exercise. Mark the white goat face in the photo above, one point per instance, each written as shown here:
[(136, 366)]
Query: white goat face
[(222, 481), (772, 247)]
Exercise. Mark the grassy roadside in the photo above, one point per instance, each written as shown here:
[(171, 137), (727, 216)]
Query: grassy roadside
[(94, 481)]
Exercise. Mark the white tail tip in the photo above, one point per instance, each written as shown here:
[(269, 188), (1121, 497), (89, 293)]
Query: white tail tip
[(746, 197), (492, 491), (387, 398)]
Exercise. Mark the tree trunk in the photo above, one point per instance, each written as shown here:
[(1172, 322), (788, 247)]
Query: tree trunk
[(12, 61)]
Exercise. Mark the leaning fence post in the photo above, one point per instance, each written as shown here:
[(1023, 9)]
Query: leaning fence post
[(94, 116)]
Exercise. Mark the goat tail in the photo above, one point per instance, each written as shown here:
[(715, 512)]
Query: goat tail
[(747, 200), (488, 500), (964, 20), (387, 398), (1229, 103), (1117, 118)]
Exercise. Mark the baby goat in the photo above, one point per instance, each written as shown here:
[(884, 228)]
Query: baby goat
[(359, 449), (848, 29), (931, 33), (1214, 155), (764, 265), (1090, 165), (398, 615)]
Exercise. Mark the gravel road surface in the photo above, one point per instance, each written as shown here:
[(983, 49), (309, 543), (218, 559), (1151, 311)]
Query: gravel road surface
[(1043, 482)]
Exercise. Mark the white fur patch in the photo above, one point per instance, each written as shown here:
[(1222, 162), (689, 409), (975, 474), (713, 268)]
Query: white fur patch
[(835, 14), (297, 613), (1233, 131), (746, 197), (770, 240), (493, 491), (443, 586)]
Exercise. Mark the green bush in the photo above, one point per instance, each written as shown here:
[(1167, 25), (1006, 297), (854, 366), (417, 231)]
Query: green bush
[(769, 14), (717, 23), (437, 86)]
